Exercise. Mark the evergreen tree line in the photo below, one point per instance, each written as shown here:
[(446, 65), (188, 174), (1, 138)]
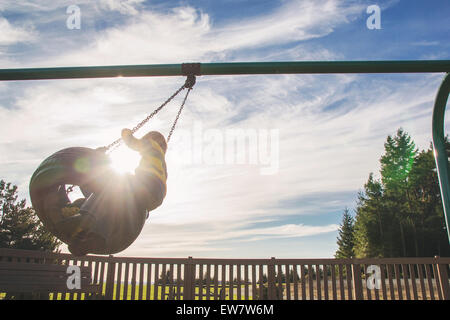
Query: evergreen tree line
[(20, 227), (400, 214)]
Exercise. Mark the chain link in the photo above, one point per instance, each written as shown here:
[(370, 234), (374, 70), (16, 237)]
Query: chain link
[(190, 81), (178, 115)]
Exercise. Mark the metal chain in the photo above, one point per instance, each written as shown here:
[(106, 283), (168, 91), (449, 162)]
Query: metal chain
[(178, 115), (190, 81)]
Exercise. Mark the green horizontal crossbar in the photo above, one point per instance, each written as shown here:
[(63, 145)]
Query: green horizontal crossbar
[(233, 68)]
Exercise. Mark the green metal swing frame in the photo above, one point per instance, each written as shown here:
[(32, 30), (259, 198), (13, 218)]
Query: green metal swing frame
[(292, 67)]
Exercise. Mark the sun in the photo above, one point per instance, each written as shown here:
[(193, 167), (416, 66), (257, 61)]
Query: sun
[(124, 160)]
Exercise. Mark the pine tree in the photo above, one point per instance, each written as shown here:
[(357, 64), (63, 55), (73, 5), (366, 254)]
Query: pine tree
[(345, 239), (397, 161), (401, 213), (19, 226), (372, 222), (396, 164)]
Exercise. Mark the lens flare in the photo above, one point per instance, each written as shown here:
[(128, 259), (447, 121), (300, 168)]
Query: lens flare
[(124, 160)]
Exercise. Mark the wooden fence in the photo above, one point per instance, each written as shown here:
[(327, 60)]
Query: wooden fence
[(125, 278)]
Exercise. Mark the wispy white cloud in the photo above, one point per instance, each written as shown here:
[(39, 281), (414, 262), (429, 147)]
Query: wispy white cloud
[(129, 7), (187, 33), (11, 34)]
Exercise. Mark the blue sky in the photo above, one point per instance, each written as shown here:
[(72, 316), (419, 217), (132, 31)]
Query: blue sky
[(330, 129)]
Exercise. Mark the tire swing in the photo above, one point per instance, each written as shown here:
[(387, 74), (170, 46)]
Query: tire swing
[(113, 211)]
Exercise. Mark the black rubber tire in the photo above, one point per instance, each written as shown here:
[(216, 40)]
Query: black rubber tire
[(78, 166)]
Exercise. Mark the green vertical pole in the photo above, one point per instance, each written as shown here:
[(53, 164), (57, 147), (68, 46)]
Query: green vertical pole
[(440, 152)]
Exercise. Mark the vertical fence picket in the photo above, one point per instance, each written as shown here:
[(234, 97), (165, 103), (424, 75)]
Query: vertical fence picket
[(119, 284), (208, 281), (253, 282), (230, 290), (200, 282), (391, 284), (133, 280), (110, 279), (333, 281), (189, 280), (383, 281), (126, 281), (261, 283), (422, 281), (319, 289), (141, 282), (223, 292), (303, 281), (368, 290), (325, 281), (272, 295), (398, 281), (341, 282), (412, 272), (357, 283), (279, 287), (406, 278), (429, 281), (149, 282), (164, 279), (246, 291), (288, 282), (171, 282), (296, 278), (348, 269), (239, 284), (310, 282), (179, 281), (156, 282), (216, 281)]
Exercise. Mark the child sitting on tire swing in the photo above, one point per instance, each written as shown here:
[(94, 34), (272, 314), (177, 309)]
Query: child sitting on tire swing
[(109, 221)]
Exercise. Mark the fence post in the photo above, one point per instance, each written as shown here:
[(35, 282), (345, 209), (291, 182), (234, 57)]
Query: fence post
[(109, 291), (272, 295), (189, 282), (357, 285), (443, 279)]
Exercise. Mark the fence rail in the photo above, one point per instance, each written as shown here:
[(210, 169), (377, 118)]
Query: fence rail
[(129, 278)]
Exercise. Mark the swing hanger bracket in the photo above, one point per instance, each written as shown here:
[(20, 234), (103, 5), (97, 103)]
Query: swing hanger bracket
[(188, 69)]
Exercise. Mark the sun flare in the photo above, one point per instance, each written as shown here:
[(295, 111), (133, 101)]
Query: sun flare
[(124, 160)]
